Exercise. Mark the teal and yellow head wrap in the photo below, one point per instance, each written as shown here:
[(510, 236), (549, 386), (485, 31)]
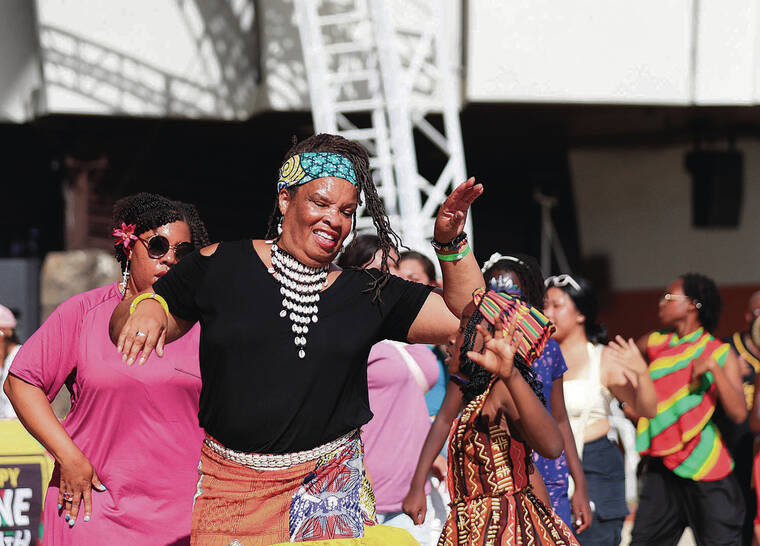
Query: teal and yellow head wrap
[(302, 168)]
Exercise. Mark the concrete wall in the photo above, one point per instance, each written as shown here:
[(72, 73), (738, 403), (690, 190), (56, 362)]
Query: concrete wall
[(649, 51), (634, 206)]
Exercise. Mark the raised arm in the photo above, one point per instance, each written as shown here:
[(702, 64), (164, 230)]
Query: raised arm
[(513, 393), (460, 276), (440, 314), (626, 374)]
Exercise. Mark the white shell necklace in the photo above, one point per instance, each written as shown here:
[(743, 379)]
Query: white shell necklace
[(300, 286)]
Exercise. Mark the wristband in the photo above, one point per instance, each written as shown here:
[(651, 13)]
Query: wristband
[(149, 296), (457, 243), (454, 257)]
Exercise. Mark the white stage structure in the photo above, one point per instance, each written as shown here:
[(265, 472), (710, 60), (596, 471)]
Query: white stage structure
[(374, 80)]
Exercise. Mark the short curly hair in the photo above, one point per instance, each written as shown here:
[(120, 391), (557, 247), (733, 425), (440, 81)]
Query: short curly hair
[(703, 291), (149, 211)]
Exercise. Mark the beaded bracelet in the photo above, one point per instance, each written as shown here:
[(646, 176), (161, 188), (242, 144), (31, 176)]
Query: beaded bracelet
[(149, 296), (454, 257), (455, 245)]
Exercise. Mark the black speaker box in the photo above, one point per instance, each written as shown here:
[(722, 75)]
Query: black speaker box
[(717, 187)]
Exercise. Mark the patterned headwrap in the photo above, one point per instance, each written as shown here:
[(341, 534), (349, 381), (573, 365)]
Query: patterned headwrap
[(535, 327), (308, 166)]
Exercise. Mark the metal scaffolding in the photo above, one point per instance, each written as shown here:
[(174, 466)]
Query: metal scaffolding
[(375, 76)]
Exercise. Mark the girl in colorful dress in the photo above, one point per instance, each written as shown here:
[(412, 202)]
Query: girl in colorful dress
[(126, 455), (687, 480), (503, 420), (521, 274)]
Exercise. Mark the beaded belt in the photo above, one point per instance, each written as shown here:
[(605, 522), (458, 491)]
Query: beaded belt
[(259, 461)]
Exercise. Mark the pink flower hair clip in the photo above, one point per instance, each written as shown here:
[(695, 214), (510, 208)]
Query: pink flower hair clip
[(124, 235)]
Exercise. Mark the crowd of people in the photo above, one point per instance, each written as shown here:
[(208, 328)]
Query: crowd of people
[(296, 389)]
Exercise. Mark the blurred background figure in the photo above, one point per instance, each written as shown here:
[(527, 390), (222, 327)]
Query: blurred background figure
[(687, 479), (595, 376), (399, 375), (739, 440), (9, 346), (415, 266)]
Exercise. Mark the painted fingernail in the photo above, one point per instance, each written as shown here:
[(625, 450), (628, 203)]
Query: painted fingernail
[(71, 523), (100, 487), (87, 518), (60, 506), (67, 517), (123, 358)]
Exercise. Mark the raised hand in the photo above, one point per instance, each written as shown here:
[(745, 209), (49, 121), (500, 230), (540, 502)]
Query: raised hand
[(627, 354), (78, 477), (499, 353), (144, 331), (453, 213)]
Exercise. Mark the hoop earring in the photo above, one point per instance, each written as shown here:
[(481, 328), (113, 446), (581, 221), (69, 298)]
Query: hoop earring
[(124, 280), (279, 227)]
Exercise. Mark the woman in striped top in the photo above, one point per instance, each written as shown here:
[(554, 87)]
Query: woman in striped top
[(687, 479)]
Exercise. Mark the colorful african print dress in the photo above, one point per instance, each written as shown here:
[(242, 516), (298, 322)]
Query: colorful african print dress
[(683, 433), (493, 502)]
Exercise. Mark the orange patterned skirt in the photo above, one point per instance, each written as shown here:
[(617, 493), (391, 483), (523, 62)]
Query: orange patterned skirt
[(326, 499)]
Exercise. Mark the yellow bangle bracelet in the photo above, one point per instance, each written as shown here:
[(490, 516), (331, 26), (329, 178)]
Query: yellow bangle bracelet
[(149, 296)]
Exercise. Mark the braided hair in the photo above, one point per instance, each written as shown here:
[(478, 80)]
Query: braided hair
[(357, 155), (479, 379), (150, 211), (702, 290)]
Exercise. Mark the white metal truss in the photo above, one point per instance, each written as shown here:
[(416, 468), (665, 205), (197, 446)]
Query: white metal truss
[(375, 74), (225, 37)]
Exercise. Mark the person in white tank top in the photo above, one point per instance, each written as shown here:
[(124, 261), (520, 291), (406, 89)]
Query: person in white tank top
[(595, 375)]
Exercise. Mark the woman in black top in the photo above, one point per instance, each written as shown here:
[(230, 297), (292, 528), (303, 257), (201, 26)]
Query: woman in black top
[(285, 337)]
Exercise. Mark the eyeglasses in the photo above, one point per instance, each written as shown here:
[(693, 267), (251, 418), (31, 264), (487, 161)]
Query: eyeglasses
[(158, 246), (562, 280), (668, 297)]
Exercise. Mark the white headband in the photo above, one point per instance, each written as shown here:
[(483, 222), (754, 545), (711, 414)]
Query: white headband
[(496, 257)]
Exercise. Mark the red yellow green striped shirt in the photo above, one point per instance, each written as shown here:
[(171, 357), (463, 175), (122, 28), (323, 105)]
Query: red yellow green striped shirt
[(682, 433)]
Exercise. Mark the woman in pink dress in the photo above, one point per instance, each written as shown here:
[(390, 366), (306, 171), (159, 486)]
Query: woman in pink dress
[(127, 453)]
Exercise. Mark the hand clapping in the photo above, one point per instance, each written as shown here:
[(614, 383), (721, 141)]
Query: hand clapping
[(499, 351)]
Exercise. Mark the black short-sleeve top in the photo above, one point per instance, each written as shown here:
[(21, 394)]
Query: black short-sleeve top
[(258, 395)]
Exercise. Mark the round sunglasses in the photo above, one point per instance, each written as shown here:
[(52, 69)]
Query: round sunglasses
[(158, 246)]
